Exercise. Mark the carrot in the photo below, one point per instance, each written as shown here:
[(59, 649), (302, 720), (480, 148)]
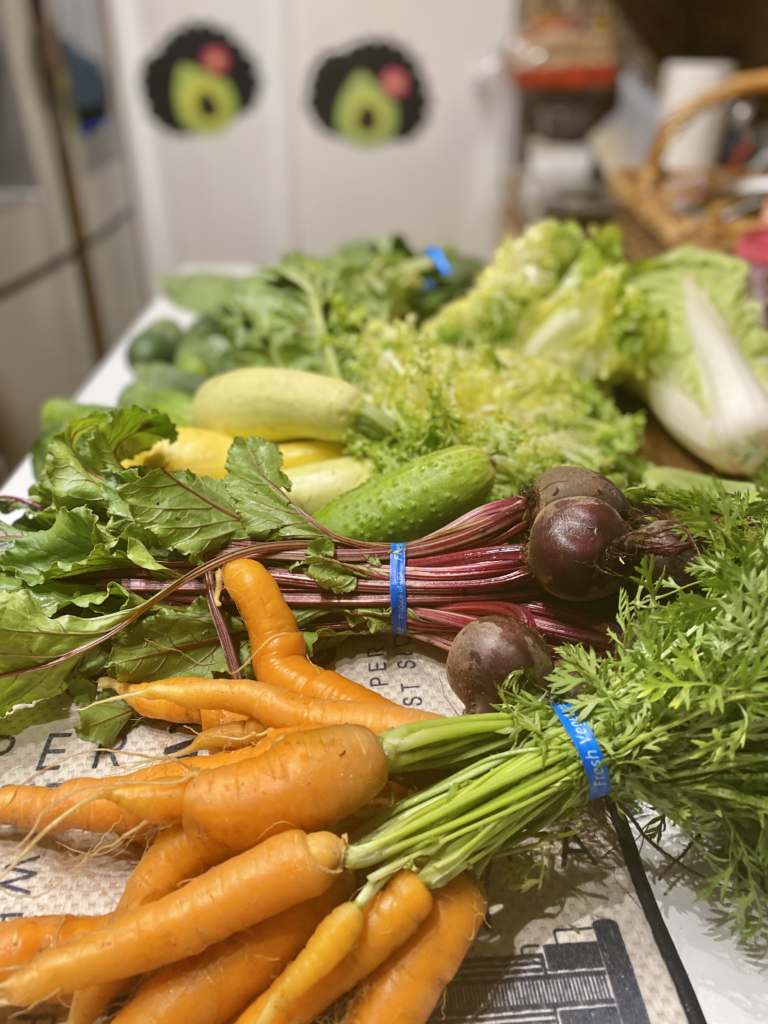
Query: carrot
[(22, 938), (32, 808), (168, 711), (167, 863), (277, 707), (408, 985), (212, 719), (279, 653), (227, 735), (389, 920), (215, 985), (279, 873), (308, 779), (331, 941)]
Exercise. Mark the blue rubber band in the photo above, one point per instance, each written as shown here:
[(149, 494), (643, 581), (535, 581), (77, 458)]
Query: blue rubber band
[(440, 261), (397, 594), (588, 750)]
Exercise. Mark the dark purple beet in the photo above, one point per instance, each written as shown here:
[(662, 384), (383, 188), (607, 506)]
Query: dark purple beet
[(485, 652), (574, 482), (670, 543), (567, 548)]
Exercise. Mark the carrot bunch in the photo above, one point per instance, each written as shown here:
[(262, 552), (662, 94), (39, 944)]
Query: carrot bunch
[(242, 903)]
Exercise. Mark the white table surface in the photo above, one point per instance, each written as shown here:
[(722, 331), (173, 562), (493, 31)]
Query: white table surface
[(730, 980)]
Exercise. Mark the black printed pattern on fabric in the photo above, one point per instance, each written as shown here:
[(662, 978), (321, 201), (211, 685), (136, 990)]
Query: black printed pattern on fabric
[(581, 977)]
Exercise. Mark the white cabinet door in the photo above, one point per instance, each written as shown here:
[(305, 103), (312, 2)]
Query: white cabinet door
[(206, 132), (394, 124)]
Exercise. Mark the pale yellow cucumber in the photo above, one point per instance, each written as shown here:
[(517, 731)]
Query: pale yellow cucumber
[(315, 485), (283, 405)]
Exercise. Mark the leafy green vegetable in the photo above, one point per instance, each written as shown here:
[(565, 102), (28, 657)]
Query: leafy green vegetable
[(30, 640), (92, 447), (529, 414), (201, 292), (665, 477), (177, 405), (596, 320), (305, 312), (100, 722), (76, 543), (57, 412), (173, 642), (253, 484), (182, 511), (523, 269), (708, 384), (168, 377), (324, 568)]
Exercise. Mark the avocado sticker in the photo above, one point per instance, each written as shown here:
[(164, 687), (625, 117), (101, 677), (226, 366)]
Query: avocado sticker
[(200, 81), (369, 95)]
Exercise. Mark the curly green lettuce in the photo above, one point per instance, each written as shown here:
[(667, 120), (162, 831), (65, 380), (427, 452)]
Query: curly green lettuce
[(529, 414)]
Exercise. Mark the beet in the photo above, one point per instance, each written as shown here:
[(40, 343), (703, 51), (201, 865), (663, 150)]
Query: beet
[(574, 482), (569, 548), (485, 652), (670, 543)]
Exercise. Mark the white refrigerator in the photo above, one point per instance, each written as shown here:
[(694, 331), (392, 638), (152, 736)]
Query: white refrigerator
[(70, 265)]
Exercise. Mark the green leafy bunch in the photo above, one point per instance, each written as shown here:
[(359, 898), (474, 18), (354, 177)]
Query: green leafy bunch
[(679, 708), (90, 519), (305, 312), (523, 269), (528, 413)]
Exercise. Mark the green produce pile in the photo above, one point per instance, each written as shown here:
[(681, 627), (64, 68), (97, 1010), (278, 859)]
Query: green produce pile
[(504, 373), (305, 312), (679, 708), (445, 363)]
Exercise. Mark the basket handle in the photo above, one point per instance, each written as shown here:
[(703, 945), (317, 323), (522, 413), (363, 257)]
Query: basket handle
[(741, 83)]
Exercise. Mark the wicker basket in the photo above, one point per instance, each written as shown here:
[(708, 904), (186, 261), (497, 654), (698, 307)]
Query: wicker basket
[(680, 209)]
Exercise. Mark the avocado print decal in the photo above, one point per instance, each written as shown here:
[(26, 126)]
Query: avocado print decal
[(200, 82), (369, 95)]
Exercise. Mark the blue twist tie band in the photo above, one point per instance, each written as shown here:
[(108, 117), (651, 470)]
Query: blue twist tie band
[(397, 589), (588, 750), (440, 261)]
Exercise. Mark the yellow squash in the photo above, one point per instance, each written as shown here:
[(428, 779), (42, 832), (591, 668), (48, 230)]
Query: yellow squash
[(276, 404), (204, 452)]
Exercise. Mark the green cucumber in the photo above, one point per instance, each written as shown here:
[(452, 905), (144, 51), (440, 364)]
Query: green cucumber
[(414, 500)]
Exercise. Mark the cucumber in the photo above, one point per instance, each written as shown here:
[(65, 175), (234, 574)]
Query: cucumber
[(414, 500), (157, 343)]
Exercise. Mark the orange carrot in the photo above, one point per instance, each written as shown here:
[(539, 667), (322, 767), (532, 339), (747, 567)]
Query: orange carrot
[(332, 940), (167, 863), (211, 719), (22, 938), (389, 920), (279, 653), (307, 779), (32, 808), (215, 985), (167, 711), (284, 870), (227, 735), (407, 986), (277, 707)]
